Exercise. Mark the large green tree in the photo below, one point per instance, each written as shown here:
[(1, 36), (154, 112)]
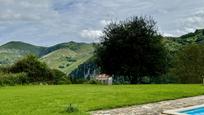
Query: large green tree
[(189, 64), (133, 49)]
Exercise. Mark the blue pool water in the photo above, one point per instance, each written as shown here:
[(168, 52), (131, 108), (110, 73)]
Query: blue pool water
[(196, 111)]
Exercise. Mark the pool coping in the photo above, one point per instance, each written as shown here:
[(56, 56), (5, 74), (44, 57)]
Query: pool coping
[(176, 111)]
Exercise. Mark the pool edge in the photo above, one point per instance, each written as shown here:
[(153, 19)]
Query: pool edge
[(176, 111)]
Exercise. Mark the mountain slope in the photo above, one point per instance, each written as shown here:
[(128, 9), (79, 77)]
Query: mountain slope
[(67, 56), (193, 37), (74, 46), (13, 51), (29, 48)]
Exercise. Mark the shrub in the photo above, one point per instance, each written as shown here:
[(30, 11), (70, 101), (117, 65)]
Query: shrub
[(13, 79), (61, 67), (60, 77), (71, 59), (36, 70), (71, 109), (30, 70)]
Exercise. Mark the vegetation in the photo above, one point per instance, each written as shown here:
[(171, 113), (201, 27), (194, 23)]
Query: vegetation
[(196, 37), (189, 64), (54, 100), (65, 57), (29, 48), (13, 79), (35, 72), (132, 49), (68, 56), (154, 55)]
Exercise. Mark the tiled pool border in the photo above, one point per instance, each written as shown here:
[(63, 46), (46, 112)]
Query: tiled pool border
[(176, 111)]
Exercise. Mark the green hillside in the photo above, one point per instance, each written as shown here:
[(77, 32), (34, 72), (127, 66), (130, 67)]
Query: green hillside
[(70, 45), (68, 56), (193, 37), (175, 43), (28, 48), (65, 56), (13, 51)]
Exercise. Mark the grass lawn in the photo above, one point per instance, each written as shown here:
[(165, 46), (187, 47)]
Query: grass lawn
[(53, 100)]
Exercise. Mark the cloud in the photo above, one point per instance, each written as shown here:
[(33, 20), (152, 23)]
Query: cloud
[(105, 22), (91, 34), (47, 22)]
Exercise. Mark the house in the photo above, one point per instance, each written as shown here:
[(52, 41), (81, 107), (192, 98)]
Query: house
[(104, 79)]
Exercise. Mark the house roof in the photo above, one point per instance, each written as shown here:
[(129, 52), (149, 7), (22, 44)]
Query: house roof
[(102, 77)]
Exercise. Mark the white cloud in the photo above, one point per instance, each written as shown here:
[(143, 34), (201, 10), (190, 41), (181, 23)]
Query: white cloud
[(105, 22), (167, 34), (47, 22), (91, 34)]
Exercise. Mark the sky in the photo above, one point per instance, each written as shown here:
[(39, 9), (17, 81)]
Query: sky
[(48, 22)]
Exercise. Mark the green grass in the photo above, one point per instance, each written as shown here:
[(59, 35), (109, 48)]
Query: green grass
[(53, 100)]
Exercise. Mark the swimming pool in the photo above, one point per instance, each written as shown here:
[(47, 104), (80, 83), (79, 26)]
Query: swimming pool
[(194, 110)]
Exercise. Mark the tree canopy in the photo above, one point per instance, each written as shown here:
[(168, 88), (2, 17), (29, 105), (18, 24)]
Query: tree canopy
[(189, 64), (133, 49)]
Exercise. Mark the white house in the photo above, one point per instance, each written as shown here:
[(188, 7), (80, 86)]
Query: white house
[(104, 79)]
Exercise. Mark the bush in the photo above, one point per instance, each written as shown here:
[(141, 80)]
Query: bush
[(30, 70), (13, 79), (71, 109), (60, 77), (36, 70), (61, 67), (71, 59)]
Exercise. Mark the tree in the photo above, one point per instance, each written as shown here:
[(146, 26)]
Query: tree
[(36, 70), (189, 64), (132, 49)]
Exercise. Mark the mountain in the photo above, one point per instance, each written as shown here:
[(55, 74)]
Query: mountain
[(175, 43), (193, 37), (12, 51), (17, 45), (70, 45), (65, 56)]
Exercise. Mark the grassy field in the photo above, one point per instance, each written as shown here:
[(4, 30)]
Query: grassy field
[(53, 100)]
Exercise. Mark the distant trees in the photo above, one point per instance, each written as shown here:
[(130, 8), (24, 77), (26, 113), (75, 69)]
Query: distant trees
[(189, 64), (36, 70), (33, 71), (132, 49)]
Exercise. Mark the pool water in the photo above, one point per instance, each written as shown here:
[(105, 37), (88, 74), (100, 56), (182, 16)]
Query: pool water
[(196, 111)]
